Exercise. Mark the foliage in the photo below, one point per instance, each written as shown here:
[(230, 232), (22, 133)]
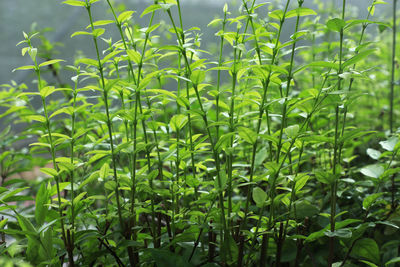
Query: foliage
[(161, 151)]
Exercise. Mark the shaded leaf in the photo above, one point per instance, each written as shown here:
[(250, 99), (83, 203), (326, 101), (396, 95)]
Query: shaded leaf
[(366, 249)]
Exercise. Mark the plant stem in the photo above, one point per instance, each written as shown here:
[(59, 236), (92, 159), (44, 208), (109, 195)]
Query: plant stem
[(73, 117), (283, 125), (67, 242), (182, 36), (289, 80), (318, 101), (392, 81), (265, 84), (138, 105), (133, 257), (336, 151), (221, 46), (364, 27), (205, 119), (109, 123), (232, 130)]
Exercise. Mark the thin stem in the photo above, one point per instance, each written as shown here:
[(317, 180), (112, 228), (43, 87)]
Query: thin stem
[(57, 178), (73, 117), (109, 123), (336, 154), (289, 79), (205, 120), (265, 84), (364, 27), (392, 81), (283, 125), (133, 258), (318, 101), (221, 46), (232, 129)]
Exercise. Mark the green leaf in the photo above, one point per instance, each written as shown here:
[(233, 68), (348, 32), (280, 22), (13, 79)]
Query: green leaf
[(134, 56), (223, 179), (369, 200), (3, 223), (374, 171), (42, 198), (338, 225), (49, 171), (336, 24), (50, 62), (301, 181), (74, 3), (276, 14), (162, 92), (341, 233), (394, 260), (298, 34), (369, 263), (166, 7), (197, 64), (225, 8), (66, 110), (98, 32), (214, 22), (248, 135), (306, 209), (53, 190), (93, 177), (325, 177), (300, 12), (39, 118), (259, 196), (110, 84), (40, 144), (152, 28), (47, 243), (32, 53), (124, 16), (91, 62), (389, 144), (8, 195), (11, 110), (371, 10), (178, 122), (321, 64), (197, 76), (375, 154), (81, 33), (150, 9), (63, 136), (223, 141), (47, 90), (100, 23), (292, 131), (78, 198), (105, 169), (26, 225), (358, 57), (366, 249), (165, 258), (27, 67)]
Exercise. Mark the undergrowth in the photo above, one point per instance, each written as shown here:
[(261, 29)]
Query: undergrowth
[(260, 150)]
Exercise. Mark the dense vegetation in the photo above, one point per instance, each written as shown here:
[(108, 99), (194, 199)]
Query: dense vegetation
[(255, 150)]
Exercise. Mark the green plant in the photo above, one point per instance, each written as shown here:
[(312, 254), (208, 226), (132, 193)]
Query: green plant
[(159, 153)]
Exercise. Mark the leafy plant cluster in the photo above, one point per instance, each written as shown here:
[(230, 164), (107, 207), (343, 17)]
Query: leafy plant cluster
[(260, 151)]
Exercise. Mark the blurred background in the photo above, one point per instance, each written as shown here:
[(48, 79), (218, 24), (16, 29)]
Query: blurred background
[(60, 21)]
